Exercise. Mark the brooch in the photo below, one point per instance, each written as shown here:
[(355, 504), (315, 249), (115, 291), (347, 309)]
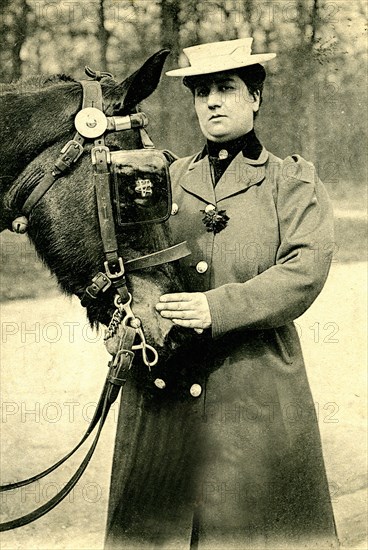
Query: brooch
[(215, 220)]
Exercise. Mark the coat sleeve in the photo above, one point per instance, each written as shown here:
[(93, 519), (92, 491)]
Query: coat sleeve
[(284, 291)]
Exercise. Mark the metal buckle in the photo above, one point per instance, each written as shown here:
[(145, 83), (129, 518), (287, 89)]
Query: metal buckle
[(100, 149), (71, 152), (100, 282), (120, 273)]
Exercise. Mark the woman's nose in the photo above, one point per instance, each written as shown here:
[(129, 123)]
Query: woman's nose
[(214, 99)]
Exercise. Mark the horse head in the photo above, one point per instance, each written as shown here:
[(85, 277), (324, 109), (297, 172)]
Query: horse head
[(38, 119)]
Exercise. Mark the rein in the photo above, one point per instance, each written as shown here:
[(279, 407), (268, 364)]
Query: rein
[(92, 124)]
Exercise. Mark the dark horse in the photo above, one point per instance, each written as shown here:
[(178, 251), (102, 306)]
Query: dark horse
[(38, 119)]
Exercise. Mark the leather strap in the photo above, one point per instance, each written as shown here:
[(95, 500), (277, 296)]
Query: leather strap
[(96, 75), (92, 94), (92, 425), (167, 255), (114, 265), (92, 97), (49, 505), (69, 154), (116, 378), (101, 282), (147, 142)]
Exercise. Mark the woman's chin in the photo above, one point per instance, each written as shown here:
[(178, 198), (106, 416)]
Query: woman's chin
[(218, 138), (221, 136)]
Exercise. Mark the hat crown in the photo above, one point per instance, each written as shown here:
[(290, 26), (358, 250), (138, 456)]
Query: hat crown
[(237, 49), (220, 56)]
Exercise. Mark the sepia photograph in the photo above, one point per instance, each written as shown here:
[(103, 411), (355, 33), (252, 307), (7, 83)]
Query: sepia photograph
[(183, 275)]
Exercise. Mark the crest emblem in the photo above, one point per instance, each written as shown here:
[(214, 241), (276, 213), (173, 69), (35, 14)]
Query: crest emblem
[(144, 187)]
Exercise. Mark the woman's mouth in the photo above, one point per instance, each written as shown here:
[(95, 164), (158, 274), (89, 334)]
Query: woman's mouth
[(214, 117)]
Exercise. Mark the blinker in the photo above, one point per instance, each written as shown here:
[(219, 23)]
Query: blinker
[(141, 188)]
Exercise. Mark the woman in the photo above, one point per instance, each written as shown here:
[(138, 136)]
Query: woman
[(231, 457)]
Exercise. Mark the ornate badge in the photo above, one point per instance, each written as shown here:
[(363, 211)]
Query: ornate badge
[(144, 187), (215, 220)]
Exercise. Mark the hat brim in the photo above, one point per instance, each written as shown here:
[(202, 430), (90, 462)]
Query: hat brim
[(221, 65)]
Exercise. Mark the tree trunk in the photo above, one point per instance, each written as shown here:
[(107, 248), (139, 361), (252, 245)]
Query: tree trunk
[(308, 25), (170, 87), (20, 35), (312, 119), (170, 28), (314, 21), (248, 12), (197, 22), (14, 33), (103, 36)]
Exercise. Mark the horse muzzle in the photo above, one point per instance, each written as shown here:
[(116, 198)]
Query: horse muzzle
[(162, 354)]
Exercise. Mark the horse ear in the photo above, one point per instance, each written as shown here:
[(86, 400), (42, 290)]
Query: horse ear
[(143, 82)]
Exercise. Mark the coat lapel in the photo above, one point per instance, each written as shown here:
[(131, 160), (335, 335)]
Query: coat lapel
[(197, 180), (241, 174)]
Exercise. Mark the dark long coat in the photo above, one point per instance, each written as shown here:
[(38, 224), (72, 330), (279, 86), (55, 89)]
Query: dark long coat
[(240, 465)]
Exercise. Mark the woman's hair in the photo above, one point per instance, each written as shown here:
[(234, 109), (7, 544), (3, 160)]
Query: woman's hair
[(253, 77)]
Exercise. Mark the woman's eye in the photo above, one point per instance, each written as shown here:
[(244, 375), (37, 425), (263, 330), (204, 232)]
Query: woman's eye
[(227, 88), (202, 92)]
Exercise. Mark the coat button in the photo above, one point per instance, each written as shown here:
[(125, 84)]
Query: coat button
[(174, 209), (202, 267), (195, 390)]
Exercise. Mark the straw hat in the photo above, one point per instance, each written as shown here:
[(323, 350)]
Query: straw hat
[(220, 56)]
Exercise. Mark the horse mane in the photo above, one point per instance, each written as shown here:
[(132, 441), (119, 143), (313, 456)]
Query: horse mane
[(41, 81), (34, 82)]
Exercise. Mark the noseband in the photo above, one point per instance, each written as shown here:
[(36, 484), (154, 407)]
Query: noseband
[(92, 124)]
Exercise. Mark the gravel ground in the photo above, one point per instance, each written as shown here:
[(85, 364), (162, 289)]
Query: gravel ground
[(52, 369)]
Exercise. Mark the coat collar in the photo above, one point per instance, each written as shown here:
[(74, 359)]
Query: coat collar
[(241, 173)]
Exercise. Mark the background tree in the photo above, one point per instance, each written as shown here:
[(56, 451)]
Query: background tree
[(13, 30), (103, 36), (315, 95)]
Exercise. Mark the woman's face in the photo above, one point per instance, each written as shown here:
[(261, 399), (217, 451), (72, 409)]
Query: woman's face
[(224, 107)]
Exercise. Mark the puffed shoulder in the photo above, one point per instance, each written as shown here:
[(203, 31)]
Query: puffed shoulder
[(296, 167)]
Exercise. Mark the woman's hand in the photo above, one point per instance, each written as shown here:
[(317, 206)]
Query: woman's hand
[(186, 309)]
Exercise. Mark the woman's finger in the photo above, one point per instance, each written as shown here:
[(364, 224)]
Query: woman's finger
[(174, 306), (176, 297), (188, 323), (178, 314)]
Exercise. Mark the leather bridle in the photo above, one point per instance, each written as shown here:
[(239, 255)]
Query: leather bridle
[(92, 124)]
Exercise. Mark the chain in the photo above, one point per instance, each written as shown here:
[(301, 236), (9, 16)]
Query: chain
[(116, 319), (124, 314)]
